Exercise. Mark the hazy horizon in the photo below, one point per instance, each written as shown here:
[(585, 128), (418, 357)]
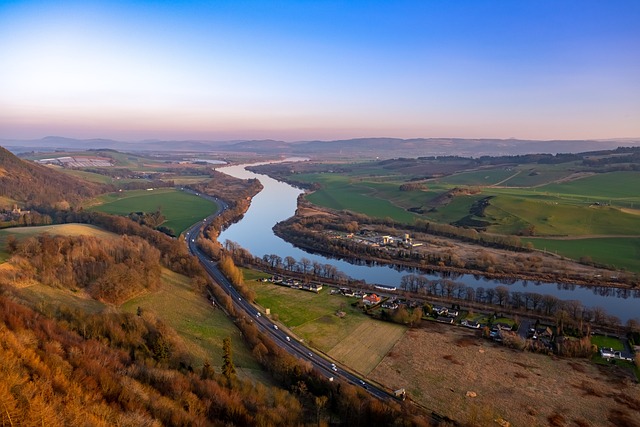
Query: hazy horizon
[(293, 71)]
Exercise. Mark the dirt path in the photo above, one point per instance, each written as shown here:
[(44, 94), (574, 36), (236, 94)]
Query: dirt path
[(506, 179)]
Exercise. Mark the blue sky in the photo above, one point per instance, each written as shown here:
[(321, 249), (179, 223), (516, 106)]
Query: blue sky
[(297, 70)]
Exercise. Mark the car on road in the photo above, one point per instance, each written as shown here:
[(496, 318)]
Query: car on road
[(310, 354), (287, 338), (275, 326), (258, 314)]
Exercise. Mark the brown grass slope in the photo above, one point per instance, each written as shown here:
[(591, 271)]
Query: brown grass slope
[(29, 184)]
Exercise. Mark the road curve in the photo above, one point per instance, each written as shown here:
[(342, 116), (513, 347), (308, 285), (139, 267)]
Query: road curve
[(292, 346)]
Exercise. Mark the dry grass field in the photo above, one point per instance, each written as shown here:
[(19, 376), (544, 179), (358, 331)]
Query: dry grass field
[(59, 230), (355, 339), (367, 345), (440, 365)]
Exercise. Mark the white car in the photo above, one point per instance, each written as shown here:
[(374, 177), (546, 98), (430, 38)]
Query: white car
[(287, 338), (275, 326)]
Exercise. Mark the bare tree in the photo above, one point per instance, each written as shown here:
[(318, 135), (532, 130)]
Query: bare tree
[(305, 263), (502, 293), (289, 262)]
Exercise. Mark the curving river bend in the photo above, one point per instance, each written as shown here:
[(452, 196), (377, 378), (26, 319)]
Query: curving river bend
[(278, 201)]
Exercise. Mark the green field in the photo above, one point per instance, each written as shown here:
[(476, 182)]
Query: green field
[(484, 177), (181, 209), (374, 199), (618, 252), (601, 204), (87, 176), (605, 341), (200, 325), (356, 340), (619, 188)]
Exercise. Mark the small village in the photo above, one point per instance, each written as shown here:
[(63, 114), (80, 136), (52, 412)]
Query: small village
[(512, 331)]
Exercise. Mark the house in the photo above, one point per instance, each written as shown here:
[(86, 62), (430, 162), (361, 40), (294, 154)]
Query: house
[(607, 352), (372, 299), (470, 324), (502, 326), (444, 319), (440, 311)]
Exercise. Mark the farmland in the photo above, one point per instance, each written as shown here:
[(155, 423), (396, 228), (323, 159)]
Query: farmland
[(340, 193), (355, 340), (539, 200), (618, 252), (180, 209)]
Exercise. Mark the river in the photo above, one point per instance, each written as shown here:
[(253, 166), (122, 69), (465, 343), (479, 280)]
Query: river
[(278, 201)]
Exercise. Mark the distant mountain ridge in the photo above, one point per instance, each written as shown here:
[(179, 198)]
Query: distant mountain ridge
[(357, 147)]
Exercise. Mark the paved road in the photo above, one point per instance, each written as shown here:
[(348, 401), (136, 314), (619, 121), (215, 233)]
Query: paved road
[(265, 325)]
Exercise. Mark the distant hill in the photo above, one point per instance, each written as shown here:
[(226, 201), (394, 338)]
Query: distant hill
[(359, 148), (29, 185)]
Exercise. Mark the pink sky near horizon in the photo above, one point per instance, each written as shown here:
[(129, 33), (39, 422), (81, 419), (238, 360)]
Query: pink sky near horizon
[(292, 71)]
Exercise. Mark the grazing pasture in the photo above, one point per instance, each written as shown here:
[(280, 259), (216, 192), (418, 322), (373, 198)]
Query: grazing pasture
[(617, 188), (617, 252), (483, 177), (180, 209), (339, 192)]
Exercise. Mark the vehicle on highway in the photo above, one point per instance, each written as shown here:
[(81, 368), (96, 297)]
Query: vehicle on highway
[(275, 326), (287, 338)]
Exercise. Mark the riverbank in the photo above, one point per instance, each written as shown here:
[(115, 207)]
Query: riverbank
[(348, 236)]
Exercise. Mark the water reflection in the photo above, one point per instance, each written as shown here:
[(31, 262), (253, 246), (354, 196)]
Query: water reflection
[(278, 201)]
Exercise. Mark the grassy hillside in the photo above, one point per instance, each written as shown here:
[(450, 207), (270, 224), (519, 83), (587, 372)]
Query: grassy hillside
[(179, 208), (546, 199), (30, 184), (619, 253), (202, 326), (176, 302)]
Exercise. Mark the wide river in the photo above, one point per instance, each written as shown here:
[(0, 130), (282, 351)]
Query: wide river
[(278, 201)]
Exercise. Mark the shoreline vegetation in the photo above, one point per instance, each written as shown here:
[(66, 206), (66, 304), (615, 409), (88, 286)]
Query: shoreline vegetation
[(329, 232)]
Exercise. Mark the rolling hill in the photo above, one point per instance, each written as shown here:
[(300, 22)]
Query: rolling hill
[(29, 185)]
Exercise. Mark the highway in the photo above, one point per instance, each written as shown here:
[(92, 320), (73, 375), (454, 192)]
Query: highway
[(265, 325)]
